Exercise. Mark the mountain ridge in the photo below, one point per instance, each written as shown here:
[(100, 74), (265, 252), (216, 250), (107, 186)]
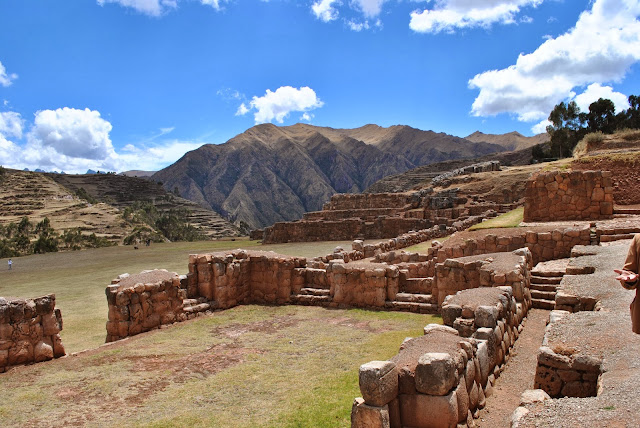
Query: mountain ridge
[(275, 173)]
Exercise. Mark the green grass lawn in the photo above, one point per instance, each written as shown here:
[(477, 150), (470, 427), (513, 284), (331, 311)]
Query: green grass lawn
[(79, 278), (250, 366), (511, 219)]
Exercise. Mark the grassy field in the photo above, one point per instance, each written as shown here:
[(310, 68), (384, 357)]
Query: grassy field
[(250, 366), (79, 278), (511, 219)]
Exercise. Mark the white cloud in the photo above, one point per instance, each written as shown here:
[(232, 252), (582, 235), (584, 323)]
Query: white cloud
[(449, 15), (277, 105), (308, 117), (370, 8), (73, 133), (329, 10), (213, 3), (157, 7), (152, 158), (541, 127), (242, 110), (596, 91), (358, 26), (324, 10), (11, 124), (601, 48), (5, 78)]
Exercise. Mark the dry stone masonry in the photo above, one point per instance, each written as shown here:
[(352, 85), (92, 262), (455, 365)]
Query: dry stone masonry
[(379, 216), (442, 378), (29, 331), (576, 195), (143, 302)]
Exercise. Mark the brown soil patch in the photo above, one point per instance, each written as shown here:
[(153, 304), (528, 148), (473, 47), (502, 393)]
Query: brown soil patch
[(268, 326)]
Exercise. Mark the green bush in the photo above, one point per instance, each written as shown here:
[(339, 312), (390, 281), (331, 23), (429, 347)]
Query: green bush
[(590, 142)]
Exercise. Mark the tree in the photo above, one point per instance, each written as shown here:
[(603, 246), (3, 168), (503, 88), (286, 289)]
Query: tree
[(601, 116), (566, 128), (632, 114)]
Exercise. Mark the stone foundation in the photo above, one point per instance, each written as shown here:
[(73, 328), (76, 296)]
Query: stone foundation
[(143, 302), (442, 378), (576, 195), (29, 331), (560, 373)]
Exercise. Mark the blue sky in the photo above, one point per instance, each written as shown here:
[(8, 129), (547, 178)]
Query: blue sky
[(133, 84)]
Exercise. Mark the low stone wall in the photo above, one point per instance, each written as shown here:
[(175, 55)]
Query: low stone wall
[(489, 166), (368, 214), (341, 230), (29, 331), (487, 270), (576, 195), (143, 302), (242, 277), (360, 201), (442, 378), (362, 284), (544, 246), (560, 373)]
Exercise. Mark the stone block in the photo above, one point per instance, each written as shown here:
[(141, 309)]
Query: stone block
[(42, 351), (429, 411), (365, 416), (378, 382), (436, 373)]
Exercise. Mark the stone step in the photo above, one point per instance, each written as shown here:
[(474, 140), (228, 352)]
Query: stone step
[(543, 304), (414, 297), (547, 273), (310, 300), (543, 295), (308, 291), (193, 302), (417, 285), (543, 287), (535, 279), (617, 237), (422, 308), (620, 210), (201, 307)]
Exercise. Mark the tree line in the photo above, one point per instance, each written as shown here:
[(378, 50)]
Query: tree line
[(569, 125)]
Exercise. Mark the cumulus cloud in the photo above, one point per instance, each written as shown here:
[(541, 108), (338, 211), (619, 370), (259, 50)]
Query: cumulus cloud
[(324, 10), (370, 8), (596, 91), (449, 15), (73, 132), (152, 158), (11, 124), (6, 79), (213, 3), (601, 48), (279, 104)]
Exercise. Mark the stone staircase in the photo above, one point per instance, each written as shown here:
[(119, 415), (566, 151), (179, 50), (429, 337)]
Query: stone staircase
[(192, 307), (618, 233), (316, 291), (545, 279), (414, 296)]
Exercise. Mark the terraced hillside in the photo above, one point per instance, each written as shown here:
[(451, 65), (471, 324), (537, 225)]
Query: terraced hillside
[(122, 191), (38, 196)]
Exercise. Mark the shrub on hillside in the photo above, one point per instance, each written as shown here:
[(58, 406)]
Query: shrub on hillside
[(589, 143)]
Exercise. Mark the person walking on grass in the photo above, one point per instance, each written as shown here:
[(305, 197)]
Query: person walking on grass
[(10, 263)]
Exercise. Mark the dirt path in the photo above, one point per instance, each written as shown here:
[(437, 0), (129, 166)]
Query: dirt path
[(518, 374)]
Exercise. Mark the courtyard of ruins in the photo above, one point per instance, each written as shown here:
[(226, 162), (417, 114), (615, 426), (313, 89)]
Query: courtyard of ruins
[(460, 334)]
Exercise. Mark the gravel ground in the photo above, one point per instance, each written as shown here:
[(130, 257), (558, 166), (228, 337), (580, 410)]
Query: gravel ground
[(604, 334)]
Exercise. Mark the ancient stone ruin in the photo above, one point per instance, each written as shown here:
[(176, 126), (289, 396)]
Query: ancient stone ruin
[(575, 195), (29, 331), (380, 215)]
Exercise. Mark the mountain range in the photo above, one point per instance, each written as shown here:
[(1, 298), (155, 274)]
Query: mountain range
[(270, 173)]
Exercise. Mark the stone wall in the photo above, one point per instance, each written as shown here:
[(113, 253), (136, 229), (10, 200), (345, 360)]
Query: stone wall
[(576, 195), (143, 302), (29, 331), (562, 373), (487, 270), (442, 378), (544, 246), (360, 201), (342, 230)]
